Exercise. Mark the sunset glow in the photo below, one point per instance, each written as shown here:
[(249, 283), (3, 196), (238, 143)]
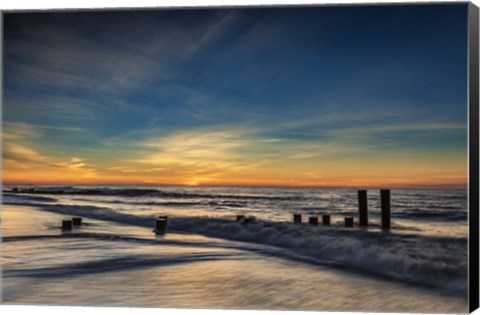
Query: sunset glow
[(225, 97)]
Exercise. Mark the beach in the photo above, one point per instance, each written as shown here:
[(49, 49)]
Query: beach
[(111, 262)]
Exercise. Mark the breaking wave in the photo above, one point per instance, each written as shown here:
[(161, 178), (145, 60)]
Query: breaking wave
[(436, 261), (136, 192)]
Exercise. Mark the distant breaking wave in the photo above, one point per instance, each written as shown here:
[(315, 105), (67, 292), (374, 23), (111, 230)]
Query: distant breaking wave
[(135, 192), (447, 209)]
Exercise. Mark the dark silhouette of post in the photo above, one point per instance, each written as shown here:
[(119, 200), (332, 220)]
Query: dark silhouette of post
[(240, 217), (160, 226), (385, 201), (362, 208), (66, 224), (77, 221), (247, 220), (348, 221), (326, 219), (313, 220), (165, 217), (297, 218)]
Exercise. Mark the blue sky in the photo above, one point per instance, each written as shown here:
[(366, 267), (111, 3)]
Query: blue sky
[(202, 96)]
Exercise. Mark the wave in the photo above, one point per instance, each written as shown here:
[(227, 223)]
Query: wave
[(11, 198), (136, 192), (435, 215), (114, 264), (428, 260), (170, 203)]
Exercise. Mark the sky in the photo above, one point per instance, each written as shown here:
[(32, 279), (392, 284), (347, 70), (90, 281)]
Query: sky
[(332, 96)]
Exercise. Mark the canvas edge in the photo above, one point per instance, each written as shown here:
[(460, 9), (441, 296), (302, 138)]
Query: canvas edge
[(473, 107), (238, 6), (473, 94)]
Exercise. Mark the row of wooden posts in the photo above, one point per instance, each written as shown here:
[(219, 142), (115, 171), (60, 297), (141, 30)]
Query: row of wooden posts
[(362, 212), (69, 224), (162, 221)]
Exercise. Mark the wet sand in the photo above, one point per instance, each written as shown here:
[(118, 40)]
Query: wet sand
[(95, 268)]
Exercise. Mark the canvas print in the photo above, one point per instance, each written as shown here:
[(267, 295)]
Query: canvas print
[(256, 158)]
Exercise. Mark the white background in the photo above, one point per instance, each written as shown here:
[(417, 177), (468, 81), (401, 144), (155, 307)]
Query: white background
[(72, 4)]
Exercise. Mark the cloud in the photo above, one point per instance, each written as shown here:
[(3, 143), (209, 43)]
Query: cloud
[(19, 130), (375, 129), (119, 56), (200, 148), (22, 155), (74, 163), (22, 130), (15, 151), (223, 149)]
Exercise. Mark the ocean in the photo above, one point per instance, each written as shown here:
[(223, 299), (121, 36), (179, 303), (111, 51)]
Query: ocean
[(208, 260)]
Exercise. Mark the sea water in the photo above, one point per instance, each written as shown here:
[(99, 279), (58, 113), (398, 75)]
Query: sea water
[(208, 260)]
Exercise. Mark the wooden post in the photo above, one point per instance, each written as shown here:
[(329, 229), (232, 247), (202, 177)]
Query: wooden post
[(160, 226), (326, 219), (385, 201), (66, 224), (77, 221), (297, 218), (362, 208), (165, 217), (313, 220), (348, 221), (240, 217)]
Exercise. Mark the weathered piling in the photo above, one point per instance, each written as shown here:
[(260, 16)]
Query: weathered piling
[(313, 220), (66, 225), (348, 221), (160, 226), (165, 217), (240, 217), (247, 220), (297, 218), (385, 206), (76, 221), (362, 208), (326, 219)]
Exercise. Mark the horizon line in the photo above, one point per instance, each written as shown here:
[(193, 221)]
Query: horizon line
[(400, 186)]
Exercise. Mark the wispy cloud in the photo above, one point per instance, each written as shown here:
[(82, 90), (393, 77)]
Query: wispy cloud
[(214, 149), (74, 163), (22, 155)]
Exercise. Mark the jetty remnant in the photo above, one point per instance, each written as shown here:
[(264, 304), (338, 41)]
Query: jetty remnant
[(326, 219), (348, 221), (77, 221), (66, 225), (385, 206), (362, 208), (297, 218), (165, 217), (160, 226)]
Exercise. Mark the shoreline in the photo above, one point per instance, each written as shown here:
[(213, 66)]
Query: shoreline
[(326, 278)]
